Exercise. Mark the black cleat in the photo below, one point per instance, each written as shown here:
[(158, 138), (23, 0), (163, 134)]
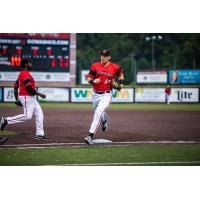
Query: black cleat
[(3, 140), (3, 123), (105, 126), (88, 140), (40, 137)]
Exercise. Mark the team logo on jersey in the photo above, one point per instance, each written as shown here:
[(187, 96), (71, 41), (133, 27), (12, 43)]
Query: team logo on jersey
[(104, 73)]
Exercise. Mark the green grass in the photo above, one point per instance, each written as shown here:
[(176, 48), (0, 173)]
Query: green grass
[(134, 106), (186, 154), (7, 133)]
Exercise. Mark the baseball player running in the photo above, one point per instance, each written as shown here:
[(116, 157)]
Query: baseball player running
[(27, 99), (101, 77), (168, 92)]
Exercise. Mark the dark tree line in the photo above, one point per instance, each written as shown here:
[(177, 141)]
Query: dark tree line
[(134, 52)]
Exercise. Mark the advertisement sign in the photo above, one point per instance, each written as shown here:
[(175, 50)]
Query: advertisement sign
[(9, 94), (125, 95), (55, 94), (81, 94), (1, 94), (149, 95), (184, 76), (85, 95), (38, 76), (84, 74), (152, 77), (9, 76), (184, 95)]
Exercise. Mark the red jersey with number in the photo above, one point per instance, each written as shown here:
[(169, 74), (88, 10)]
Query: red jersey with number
[(24, 79), (106, 75)]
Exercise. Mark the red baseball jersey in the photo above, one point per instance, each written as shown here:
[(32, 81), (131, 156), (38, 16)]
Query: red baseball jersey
[(168, 90), (106, 75), (24, 79)]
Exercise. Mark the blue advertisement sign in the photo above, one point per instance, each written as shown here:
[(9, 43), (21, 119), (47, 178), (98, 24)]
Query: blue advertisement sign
[(1, 94), (184, 76)]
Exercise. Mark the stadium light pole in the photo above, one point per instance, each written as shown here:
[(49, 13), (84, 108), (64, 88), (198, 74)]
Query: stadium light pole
[(153, 39)]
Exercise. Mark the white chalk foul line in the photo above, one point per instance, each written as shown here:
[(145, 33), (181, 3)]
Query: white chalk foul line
[(54, 145), (136, 163)]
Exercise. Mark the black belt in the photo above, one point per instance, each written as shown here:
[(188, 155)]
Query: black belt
[(99, 92)]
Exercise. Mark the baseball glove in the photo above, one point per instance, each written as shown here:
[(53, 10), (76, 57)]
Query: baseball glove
[(18, 103), (116, 85)]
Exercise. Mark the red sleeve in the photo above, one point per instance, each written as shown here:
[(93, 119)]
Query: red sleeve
[(92, 72), (119, 71), (27, 79)]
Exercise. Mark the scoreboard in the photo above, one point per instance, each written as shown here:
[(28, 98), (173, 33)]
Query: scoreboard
[(48, 52)]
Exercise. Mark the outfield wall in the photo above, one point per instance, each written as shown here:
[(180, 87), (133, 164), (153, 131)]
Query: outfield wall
[(126, 95)]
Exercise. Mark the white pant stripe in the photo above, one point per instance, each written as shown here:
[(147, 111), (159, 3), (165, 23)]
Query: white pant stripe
[(31, 107)]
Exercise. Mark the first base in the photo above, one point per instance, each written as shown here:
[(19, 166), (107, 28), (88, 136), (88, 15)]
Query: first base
[(101, 141)]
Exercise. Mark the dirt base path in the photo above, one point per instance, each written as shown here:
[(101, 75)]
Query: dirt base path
[(72, 125)]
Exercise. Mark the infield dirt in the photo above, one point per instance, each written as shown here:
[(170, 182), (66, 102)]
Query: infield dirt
[(64, 125)]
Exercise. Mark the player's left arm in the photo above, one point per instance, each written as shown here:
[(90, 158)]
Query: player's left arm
[(119, 83), (31, 90), (28, 86), (16, 86), (120, 75)]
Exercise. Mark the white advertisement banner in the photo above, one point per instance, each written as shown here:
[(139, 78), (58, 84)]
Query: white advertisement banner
[(55, 94), (84, 74), (152, 77), (184, 95), (9, 94), (81, 94), (38, 76), (125, 95), (9, 76), (149, 95), (85, 95)]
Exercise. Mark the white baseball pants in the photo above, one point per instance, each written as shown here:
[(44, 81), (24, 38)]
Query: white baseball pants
[(167, 96), (100, 103), (31, 107)]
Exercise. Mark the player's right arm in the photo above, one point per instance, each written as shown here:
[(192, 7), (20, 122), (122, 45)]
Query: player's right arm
[(91, 76)]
